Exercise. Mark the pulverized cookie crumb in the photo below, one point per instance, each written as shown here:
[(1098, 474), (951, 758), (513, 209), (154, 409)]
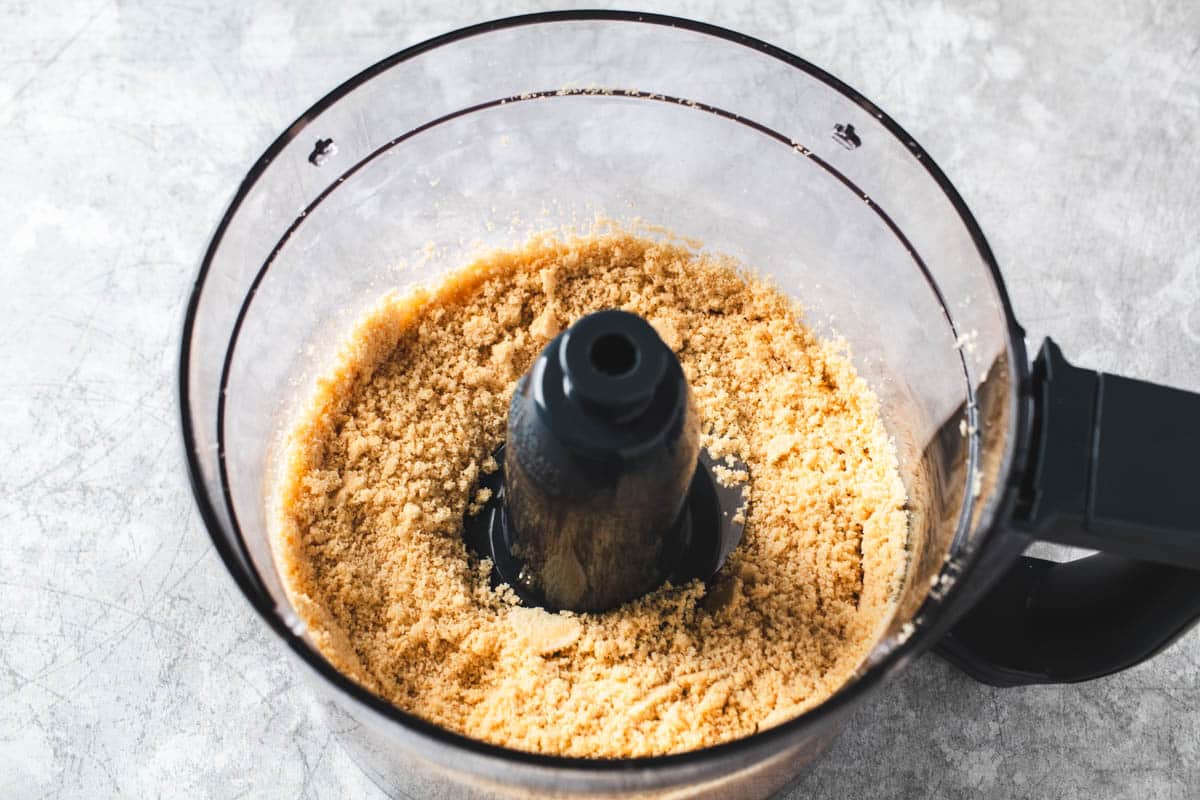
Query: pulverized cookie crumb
[(730, 477), (387, 458)]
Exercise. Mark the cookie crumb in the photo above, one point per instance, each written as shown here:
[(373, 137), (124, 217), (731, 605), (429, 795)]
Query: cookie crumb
[(385, 461)]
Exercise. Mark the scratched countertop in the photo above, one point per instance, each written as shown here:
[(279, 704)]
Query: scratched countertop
[(131, 666)]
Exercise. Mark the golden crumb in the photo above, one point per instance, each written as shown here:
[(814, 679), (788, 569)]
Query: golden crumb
[(386, 460)]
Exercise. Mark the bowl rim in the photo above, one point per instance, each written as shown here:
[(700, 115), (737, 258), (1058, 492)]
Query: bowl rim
[(923, 637)]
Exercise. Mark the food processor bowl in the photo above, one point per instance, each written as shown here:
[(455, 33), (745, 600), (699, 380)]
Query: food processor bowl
[(482, 137)]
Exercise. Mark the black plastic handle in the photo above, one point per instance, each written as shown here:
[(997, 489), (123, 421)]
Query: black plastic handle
[(1117, 464), (1116, 468)]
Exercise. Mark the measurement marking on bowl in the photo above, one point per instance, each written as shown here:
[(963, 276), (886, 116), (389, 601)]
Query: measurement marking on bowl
[(322, 151), (846, 136)]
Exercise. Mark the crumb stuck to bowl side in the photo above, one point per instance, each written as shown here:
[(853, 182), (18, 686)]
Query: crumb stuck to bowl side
[(385, 460)]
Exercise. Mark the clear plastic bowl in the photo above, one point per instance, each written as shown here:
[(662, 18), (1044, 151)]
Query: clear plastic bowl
[(482, 136)]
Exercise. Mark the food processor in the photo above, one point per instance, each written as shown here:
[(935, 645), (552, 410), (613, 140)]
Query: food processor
[(476, 139)]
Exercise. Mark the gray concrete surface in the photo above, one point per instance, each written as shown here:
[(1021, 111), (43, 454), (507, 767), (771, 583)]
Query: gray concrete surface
[(131, 666)]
